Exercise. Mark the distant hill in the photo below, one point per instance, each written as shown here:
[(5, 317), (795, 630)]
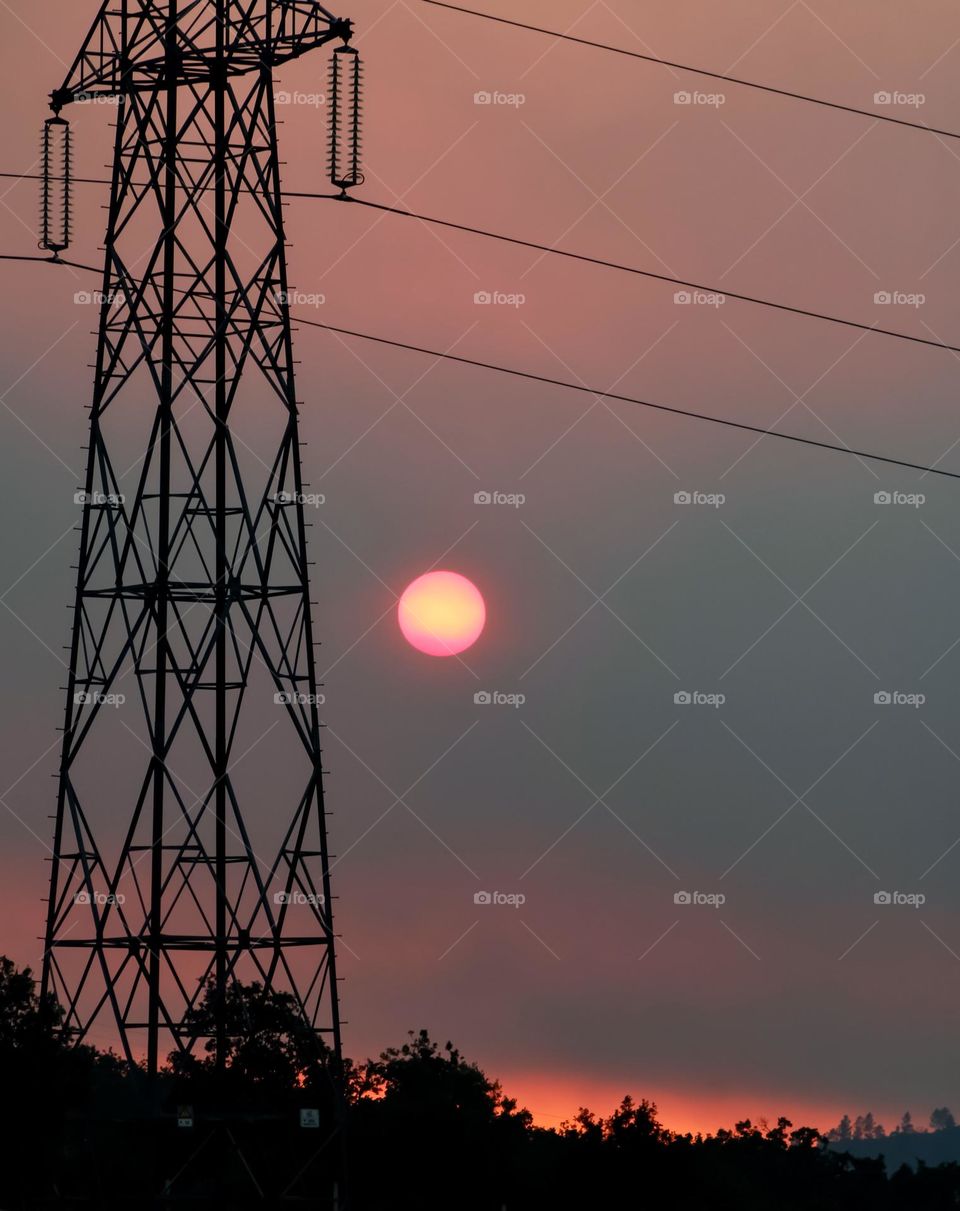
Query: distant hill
[(906, 1148)]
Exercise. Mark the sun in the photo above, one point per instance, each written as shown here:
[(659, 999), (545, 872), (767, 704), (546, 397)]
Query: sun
[(441, 613)]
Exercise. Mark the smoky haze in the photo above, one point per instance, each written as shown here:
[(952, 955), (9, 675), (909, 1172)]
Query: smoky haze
[(782, 792)]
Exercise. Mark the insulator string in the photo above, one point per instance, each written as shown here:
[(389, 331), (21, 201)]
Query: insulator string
[(56, 186), (345, 88)]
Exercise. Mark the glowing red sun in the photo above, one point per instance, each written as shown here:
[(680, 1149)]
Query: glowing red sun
[(441, 613)]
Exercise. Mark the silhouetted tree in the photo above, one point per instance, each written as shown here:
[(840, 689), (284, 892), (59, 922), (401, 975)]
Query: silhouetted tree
[(268, 1041), (634, 1126), (424, 1092), (42, 1078), (428, 1131)]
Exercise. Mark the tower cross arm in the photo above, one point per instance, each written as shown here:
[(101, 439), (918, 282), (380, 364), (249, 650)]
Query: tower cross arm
[(134, 45)]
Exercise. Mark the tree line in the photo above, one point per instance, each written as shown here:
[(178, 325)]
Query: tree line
[(418, 1128), (866, 1127)]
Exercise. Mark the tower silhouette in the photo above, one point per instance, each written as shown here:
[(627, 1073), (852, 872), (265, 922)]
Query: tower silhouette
[(190, 846)]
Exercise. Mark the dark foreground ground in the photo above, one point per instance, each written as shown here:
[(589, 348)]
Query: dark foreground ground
[(418, 1129)]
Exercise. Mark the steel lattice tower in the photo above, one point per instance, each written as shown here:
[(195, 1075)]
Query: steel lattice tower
[(190, 844)]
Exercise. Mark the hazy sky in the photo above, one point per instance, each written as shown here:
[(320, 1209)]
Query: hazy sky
[(798, 598)]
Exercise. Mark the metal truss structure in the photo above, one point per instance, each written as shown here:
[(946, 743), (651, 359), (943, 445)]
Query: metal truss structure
[(190, 845)]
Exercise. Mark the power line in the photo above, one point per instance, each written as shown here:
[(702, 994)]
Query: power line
[(77, 265), (699, 71), (48, 260), (587, 259), (628, 399), (579, 387), (657, 277), (36, 176)]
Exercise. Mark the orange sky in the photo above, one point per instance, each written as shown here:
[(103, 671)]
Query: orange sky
[(799, 997)]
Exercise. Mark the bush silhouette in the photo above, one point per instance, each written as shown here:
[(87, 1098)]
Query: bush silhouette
[(423, 1129)]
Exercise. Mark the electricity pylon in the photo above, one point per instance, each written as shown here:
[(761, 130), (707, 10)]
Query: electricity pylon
[(190, 844)]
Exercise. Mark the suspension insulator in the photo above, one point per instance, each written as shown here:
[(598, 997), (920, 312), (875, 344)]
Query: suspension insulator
[(344, 106), (55, 186)]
